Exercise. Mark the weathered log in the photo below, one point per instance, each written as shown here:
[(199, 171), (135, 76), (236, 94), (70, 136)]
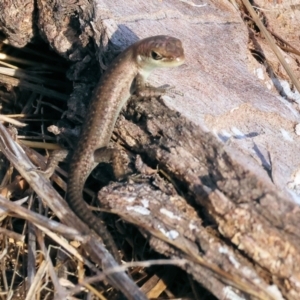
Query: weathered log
[(229, 144)]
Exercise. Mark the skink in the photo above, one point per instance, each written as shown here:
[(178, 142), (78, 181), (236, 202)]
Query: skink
[(126, 75)]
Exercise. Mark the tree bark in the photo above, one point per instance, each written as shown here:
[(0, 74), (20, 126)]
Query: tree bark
[(230, 144)]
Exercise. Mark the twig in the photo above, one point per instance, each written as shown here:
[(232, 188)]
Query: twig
[(272, 44), (45, 191)]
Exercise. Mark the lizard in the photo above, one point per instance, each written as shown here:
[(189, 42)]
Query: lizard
[(126, 75)]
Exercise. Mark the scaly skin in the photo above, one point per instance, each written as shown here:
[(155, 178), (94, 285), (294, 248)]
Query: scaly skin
[(109, 96)]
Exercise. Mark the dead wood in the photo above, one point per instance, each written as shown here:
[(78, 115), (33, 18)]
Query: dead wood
[(229, 147), (247, 209), (16, 23)]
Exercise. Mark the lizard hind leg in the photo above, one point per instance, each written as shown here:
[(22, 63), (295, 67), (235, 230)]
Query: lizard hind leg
[(118, 158), (55, 157)]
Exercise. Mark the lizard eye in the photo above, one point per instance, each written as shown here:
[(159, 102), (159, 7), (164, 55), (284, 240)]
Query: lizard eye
[(156, 55)]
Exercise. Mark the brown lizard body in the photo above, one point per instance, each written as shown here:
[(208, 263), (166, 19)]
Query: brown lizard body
[(126, 74)]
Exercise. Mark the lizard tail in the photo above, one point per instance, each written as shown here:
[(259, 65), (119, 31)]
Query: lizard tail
[(80, 208)]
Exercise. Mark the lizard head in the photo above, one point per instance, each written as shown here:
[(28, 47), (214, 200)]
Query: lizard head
[(159, 52)]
